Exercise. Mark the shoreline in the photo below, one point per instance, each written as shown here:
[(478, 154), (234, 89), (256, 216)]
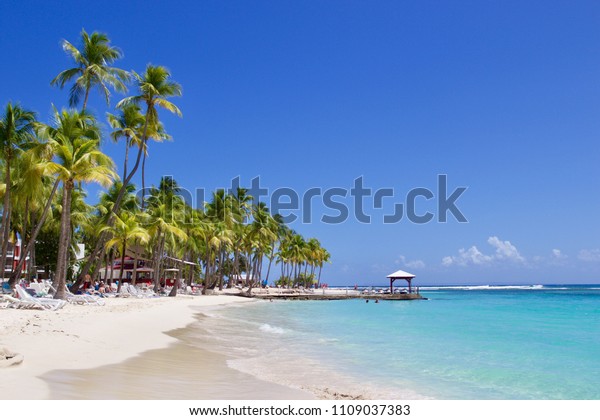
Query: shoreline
[(130, 348), (84, 337)]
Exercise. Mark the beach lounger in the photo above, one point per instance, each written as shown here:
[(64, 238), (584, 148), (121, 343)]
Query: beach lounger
[(4, 303), (79, 299), (135, 292), (189, 290), (13, 302), (40, 303), (41, 289), (83, 299)]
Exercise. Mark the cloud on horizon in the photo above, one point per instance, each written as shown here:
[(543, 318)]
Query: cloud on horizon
[(589, 255), (503, 251), (410, 264)]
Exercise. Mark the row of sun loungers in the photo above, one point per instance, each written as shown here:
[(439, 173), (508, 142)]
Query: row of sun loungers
[(36, 296), (129, 290), (27, 301)]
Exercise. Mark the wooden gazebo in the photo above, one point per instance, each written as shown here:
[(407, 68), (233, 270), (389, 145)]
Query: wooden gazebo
[(400, 275)]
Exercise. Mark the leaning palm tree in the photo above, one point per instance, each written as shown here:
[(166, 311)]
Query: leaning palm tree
[(38, 186), (93, 68), (154, 88), (74, 140), (128, 124), (16, 130)]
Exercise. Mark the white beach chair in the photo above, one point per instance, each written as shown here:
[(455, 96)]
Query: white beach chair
[(41, 289), (123, 293), (83, 299), (141, 293), (128, 290), (4, 303), (13, 302), (78, 299), (194, 291), (40, 303)]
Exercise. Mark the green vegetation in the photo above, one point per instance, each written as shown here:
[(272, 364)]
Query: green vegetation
[(45, 168)]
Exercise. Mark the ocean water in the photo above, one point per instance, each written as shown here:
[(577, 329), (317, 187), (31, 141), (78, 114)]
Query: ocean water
[(482, 342)]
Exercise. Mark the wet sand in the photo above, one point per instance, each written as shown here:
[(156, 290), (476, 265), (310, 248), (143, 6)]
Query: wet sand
[(179, 372), (122, 351)]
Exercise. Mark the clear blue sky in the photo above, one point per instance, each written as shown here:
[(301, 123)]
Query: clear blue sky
[(503, 97)]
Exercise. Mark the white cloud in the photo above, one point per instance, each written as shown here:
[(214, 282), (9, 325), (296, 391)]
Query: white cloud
[(410, 264), (557, 254), (589, 255), (415, 264), (466, 257), (504, 251)]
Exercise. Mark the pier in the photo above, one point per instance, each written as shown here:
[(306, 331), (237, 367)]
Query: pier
[(329, 294)]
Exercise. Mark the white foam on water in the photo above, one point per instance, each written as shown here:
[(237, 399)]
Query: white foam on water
[(271, 329), (484, 287)]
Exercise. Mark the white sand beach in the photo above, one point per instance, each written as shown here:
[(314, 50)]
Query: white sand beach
[(84, 337)]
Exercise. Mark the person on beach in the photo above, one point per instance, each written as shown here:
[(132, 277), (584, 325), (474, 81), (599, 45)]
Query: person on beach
[(101, 288)]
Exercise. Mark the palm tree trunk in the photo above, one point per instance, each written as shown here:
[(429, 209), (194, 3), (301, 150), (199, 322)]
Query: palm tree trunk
[(126, 157), (270, 261), (112, 265), (99, 248), (122, 267), (106, 280), (98, 253), (156, 262), (5, 229), (87, 94), (134, 274), (192, 269), (206, 271), (319, 278), (34, 234), (60, 279), (221, 253), (23, 238), (143, 182), (32, 261)]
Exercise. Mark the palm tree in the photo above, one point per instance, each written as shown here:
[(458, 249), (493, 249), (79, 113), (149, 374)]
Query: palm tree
[(16, 130), (127, 124), (195, 228), (74, 140), (218, 242), (125, 232), (161, 223), (262, 234), (105, 206), (37, 187), (324, 257), (280, 230), (154, 88), (93, 68)]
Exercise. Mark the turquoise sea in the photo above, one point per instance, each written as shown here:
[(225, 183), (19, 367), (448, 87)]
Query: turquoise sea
[(465, 342)]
